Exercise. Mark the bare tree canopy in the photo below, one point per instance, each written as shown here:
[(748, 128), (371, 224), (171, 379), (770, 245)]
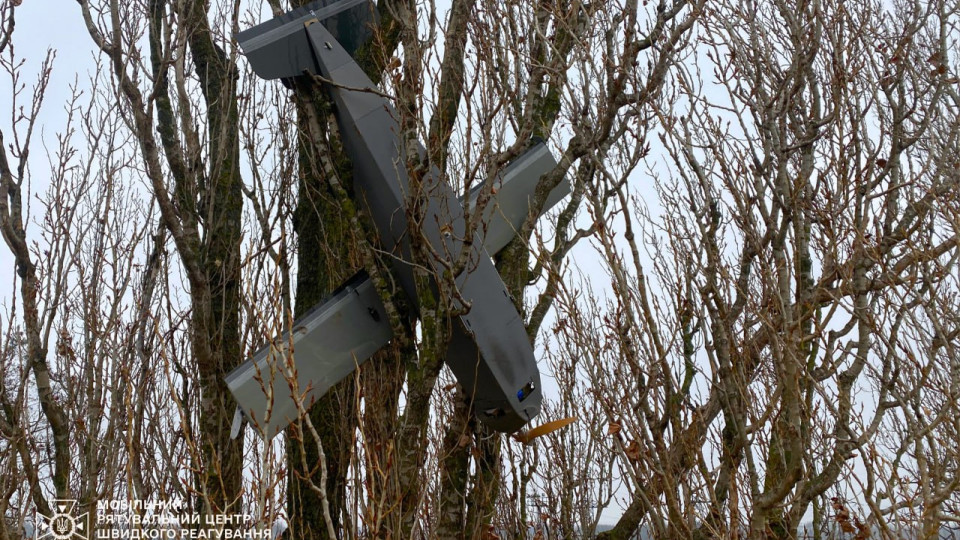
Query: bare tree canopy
[(746, 311)]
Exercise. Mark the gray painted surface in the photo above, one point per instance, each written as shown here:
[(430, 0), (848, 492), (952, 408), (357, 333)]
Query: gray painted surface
[(508, 208), (516, 183), (279, 47), (327, 344), (489, 351)]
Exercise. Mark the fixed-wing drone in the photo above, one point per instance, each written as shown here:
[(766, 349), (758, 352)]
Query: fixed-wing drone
[(489, 351)]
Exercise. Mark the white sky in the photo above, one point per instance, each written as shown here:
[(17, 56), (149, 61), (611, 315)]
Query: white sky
[(38, 29)]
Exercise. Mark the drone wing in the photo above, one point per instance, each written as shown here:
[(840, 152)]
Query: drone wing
[(284, 378)]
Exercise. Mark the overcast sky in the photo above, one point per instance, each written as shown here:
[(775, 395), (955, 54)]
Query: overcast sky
[(39, 29)]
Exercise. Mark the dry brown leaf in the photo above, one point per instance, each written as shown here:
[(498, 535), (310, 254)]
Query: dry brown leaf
[(633, 451)]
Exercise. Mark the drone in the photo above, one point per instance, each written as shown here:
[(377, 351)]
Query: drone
[(489, 351)]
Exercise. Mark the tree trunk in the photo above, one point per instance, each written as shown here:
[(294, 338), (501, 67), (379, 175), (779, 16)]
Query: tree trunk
[(216, 322)]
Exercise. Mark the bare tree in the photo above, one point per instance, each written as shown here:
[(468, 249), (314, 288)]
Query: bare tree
[(766, 311), (28, 342), (748, 301), (201, 204)]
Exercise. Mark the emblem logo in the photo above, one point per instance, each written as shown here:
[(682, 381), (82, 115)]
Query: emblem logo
[(63, 524)]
